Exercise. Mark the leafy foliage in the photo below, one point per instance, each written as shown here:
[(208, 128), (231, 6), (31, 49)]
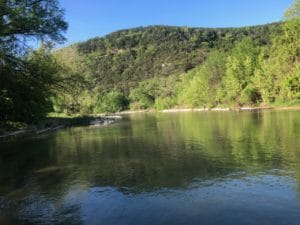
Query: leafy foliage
[(26, 78), (123, 59), (144, 64), (26, 19), (111, 102), (25, 92)]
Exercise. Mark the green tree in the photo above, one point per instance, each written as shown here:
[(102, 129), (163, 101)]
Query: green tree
[(27, 91), (24, 19), (240, 68), (278, 78), (201, 84), (144, 95), (111, 102), (26, 78)]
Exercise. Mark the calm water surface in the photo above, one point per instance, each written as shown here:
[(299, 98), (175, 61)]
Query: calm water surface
[(182, 168)]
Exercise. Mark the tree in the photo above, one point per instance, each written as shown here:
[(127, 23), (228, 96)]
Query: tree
[(72, 93), (26, 78), (143, 96), (240, 68), (27, 90), (294, 11), (201, 89), (278, 78), (26, 19), (111, 102)]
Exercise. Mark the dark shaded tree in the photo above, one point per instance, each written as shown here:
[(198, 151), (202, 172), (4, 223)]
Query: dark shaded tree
[(25, 77)]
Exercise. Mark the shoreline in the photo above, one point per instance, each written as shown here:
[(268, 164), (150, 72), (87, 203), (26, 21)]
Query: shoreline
[(56, 123), (217, 109)]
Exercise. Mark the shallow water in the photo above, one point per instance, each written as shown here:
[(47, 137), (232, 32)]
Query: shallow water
[(176, 168)]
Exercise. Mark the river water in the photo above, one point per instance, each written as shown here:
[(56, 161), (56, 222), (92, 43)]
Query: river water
[(176, 168)]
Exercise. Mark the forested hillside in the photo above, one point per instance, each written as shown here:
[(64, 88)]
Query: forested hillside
[(119, 61), (133, 55)]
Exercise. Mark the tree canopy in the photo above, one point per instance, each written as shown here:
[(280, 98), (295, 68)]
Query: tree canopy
[(25, 75), (23, 20)]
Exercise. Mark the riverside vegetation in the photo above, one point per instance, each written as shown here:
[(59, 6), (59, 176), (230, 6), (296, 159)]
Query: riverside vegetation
[(155, 67)]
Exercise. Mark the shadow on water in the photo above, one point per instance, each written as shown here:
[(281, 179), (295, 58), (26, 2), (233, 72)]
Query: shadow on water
[(178, 168)]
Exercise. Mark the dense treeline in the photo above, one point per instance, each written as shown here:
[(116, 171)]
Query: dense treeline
[(131, 56), (119, 66), (250, 74), (163, 67), (154, 67)]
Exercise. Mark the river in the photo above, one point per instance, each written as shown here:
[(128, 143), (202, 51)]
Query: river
[(157, 169)]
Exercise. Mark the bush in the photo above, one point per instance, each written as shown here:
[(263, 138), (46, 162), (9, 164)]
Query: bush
[(164, 103), (112, 102), (250, 96)]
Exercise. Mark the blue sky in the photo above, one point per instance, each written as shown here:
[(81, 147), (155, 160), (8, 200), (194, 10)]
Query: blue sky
[(91, 18)]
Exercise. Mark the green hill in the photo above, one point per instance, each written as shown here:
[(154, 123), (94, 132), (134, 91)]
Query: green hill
[(125, 66), (122, 59)]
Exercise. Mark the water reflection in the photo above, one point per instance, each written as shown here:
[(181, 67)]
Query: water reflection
[(181, 168)]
